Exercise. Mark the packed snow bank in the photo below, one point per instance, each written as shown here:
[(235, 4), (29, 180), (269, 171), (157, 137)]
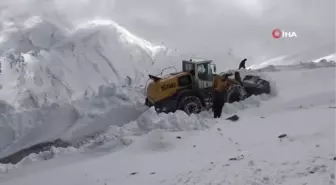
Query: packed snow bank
[(103, 110), (43, 60), (54, 81), (7, 135), (71, 122), (40, 125), (34, 157)]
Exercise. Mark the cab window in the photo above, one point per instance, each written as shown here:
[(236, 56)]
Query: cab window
[(204, 72)]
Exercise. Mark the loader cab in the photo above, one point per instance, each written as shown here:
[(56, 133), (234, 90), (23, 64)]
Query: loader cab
[(201, 70)]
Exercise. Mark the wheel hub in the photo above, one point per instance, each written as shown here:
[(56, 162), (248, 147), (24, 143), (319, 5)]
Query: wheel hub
[(191, 107)]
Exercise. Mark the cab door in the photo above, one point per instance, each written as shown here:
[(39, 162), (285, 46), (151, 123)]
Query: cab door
[(204, 75)]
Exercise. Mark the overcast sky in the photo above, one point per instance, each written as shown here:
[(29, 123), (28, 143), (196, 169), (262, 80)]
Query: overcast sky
[(205, 27)]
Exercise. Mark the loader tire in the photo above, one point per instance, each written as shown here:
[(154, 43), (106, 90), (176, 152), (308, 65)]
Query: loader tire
[(236, 93), (190, 105)]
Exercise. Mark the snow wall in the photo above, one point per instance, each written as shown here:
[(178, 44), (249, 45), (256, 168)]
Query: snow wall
[(52, 77)]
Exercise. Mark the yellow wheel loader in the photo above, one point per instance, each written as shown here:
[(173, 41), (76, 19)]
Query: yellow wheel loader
[(191, 89)]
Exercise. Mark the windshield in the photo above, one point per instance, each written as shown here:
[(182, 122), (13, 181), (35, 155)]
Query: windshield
[(204, 71)]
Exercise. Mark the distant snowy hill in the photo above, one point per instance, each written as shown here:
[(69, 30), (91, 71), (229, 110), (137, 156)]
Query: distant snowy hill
[(314, 55)]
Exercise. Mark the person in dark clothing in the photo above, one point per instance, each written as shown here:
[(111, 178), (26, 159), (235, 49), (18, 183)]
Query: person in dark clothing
[(218, 99), (218, 103), (242, 64)]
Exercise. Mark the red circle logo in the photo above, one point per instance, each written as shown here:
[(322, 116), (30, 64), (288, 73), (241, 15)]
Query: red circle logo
[(276, 33)]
